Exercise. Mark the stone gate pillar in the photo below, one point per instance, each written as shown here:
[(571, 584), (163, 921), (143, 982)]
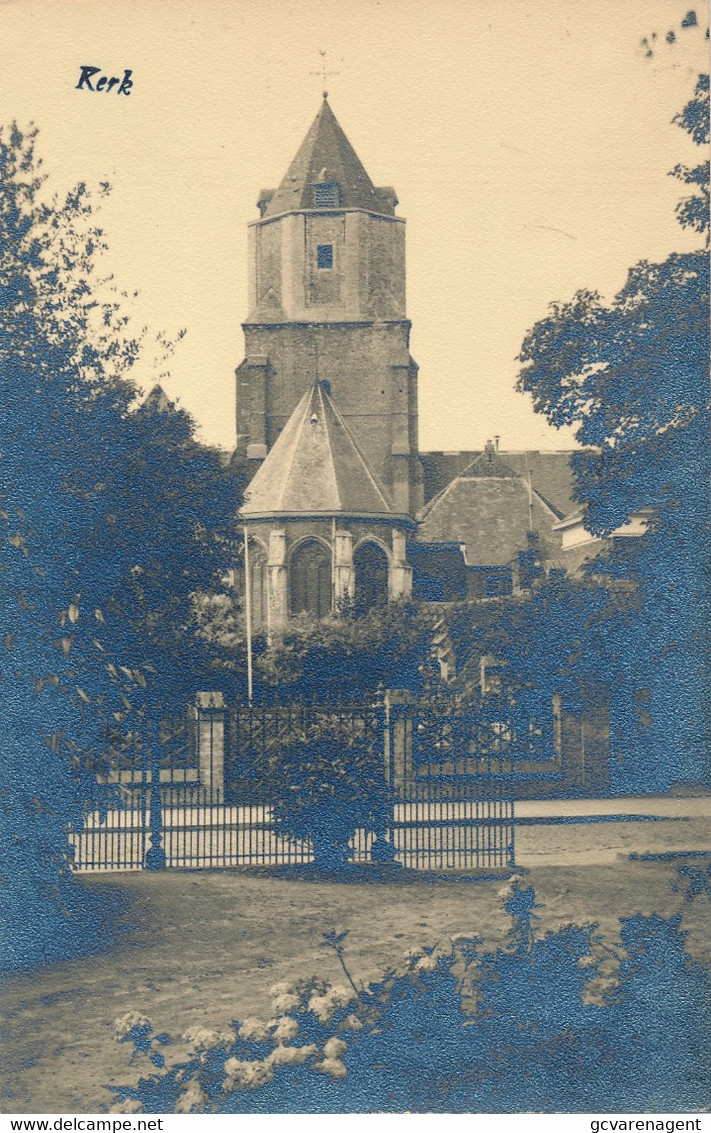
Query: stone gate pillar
[(399, 767)]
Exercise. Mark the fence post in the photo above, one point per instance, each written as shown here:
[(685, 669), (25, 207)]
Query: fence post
[(398, 727), (583, 739), (211, 720), (156, 856)]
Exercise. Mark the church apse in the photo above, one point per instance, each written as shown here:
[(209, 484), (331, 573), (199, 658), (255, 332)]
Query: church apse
[(334, 536)]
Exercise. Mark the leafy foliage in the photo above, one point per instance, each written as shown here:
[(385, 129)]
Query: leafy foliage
[(693, 211), (632, 376), (330, 784), (55, 342), (109, 519), (526, 1027), (551, 639), (318, 659)]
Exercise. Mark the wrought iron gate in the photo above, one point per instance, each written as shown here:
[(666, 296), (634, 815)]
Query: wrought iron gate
[(449, 778)]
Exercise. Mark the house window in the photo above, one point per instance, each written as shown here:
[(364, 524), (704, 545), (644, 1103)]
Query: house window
[(498, 584), (326, 195), (324, 255)]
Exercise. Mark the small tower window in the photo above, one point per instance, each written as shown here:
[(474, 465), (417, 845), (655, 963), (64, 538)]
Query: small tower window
[(326, 195), (324, 256)]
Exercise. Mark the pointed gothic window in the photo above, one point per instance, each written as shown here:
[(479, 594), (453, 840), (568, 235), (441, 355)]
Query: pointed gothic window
[(310, 578), (371, 577)]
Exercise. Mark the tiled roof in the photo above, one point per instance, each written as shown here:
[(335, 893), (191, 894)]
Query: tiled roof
[(551, 474), (490, 514), (326, 156), (315, 468), (158, 401)]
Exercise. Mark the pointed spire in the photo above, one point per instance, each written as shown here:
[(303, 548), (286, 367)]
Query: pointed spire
[(326, 157), (157, 401), (315, 468)]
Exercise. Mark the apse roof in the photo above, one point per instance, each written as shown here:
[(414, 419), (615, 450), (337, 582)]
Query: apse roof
[(315, 468), (326, 157)]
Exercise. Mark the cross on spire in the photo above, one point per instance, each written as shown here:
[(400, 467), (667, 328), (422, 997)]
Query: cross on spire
[(323, 73)]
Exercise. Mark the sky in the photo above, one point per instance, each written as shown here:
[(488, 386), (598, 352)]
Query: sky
[(529, 142)]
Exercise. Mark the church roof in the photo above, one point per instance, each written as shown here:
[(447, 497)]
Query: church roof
[(326, 157), (315, 468), (490, 464)]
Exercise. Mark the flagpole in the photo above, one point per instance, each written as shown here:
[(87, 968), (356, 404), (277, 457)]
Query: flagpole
[(248, 612)]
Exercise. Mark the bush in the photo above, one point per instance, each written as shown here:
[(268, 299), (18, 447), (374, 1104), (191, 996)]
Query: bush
[(329, 785), (528, 1027)]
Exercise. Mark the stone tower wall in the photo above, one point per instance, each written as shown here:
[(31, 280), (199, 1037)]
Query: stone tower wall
[(366, 281), (373, 382)]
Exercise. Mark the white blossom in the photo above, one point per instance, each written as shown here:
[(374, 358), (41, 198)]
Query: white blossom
[(332, 1066), (323, 1006), (193, 1099), (246, 1075), (427, 963), (204, 1038), (334, 1048), (292, 1055), (283, 987), (126, 1023), (255, 1029), (285, 1001), (285, 1028)]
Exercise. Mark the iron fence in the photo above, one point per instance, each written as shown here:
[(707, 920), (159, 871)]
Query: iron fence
[(450, 782)]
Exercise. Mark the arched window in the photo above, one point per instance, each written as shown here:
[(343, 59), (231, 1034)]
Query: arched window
[(311, 579), (371, 577)]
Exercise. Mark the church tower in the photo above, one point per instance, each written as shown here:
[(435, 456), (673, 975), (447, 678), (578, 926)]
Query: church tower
[(327, 308)]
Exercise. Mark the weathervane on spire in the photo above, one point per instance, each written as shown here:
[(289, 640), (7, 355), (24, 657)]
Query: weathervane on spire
[(323, 73)]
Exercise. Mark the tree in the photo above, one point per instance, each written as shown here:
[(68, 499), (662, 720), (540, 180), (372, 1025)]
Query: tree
[(106, 512), (632, 376), (693, 211), (54, 343), (351, 656), (340, 656)]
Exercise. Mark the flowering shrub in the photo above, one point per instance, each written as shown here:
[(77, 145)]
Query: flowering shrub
[(560, 1022)]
